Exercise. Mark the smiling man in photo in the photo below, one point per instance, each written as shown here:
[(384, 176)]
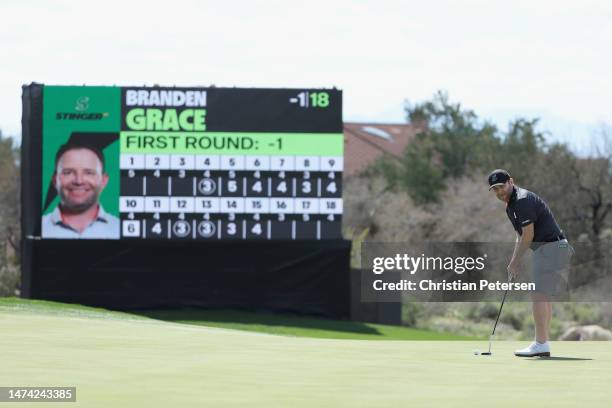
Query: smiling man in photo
[(79, 179)]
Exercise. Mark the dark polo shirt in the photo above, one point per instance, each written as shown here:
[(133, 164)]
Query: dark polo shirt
[(526, 208)]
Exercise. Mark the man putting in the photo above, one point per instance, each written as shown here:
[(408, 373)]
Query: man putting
[(537, 229)]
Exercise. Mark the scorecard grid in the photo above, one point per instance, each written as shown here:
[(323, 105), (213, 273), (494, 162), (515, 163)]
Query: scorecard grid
[(194, 196)]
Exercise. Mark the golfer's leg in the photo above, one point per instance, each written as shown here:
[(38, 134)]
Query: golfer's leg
[(541, 316)]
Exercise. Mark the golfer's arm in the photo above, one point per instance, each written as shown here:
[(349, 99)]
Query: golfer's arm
[(522, 243)]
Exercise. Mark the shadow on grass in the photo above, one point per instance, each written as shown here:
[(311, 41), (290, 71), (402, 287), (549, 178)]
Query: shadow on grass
[(263, 322), (236, 319), (560, 359)]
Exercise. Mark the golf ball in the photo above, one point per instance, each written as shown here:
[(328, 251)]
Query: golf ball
[(476, 352)]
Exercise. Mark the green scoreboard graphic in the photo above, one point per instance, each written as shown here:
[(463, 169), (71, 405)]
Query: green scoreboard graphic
[(155, 163)]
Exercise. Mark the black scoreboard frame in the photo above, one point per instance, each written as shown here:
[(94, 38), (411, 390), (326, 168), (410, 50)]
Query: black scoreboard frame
[(307, 276)]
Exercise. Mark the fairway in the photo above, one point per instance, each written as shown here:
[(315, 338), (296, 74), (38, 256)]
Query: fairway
[(140, 362)]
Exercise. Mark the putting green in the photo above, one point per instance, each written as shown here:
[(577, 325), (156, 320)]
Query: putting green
[(148, 363)]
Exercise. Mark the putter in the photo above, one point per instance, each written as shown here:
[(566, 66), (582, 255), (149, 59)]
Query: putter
[(488, 353)]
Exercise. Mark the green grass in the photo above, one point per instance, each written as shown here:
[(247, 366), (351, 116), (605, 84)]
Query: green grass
[(288, 325), (117, 360), (13, 304)]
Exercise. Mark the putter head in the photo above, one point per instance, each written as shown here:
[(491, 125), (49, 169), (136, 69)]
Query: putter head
[(486, 353)]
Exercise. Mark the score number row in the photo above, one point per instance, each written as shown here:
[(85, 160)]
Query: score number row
[(230, 162), (228, 205)]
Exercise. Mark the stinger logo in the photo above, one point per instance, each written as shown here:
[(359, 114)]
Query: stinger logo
[(82, 104)]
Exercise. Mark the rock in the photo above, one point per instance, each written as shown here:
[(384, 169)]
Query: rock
[(591, 332)]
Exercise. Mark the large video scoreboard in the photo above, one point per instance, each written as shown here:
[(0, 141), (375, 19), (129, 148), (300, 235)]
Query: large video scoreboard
[(157, 163)]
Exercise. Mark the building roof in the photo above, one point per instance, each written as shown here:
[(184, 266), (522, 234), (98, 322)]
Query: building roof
[(366, 142)]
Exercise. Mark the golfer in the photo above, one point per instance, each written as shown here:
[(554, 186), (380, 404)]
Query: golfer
[(537, 229), (79, 179)]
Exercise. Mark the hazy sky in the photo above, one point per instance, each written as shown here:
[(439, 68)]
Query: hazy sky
[(551, 59)]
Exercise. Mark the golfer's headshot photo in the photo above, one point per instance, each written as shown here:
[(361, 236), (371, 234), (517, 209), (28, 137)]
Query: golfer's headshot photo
[(79, 178)]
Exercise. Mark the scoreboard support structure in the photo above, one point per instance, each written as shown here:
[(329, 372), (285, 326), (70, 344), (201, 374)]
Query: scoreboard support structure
[(224, 198), (299, 277)]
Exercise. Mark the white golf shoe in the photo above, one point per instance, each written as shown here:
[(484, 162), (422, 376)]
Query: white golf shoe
[(535, 349)]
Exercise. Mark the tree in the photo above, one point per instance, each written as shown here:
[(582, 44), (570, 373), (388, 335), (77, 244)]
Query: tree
[(593, 179), (521, 147), (9, 215), (453, 143)]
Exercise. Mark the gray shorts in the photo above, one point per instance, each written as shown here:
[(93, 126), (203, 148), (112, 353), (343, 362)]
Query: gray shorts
[(551, 268)]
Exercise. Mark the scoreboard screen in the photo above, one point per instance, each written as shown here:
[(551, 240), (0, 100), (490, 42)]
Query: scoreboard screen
[(155, 163)]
